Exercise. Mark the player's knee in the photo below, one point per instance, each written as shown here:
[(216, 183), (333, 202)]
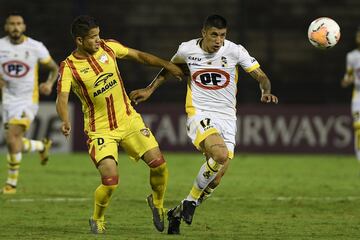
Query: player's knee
[(221, 156), (156, 162), (112, 181)]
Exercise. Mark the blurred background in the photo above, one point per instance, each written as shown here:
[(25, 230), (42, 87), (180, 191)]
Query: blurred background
[(313, 114)]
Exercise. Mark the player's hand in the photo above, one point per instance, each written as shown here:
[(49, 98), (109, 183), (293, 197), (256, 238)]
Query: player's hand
[(347, 81), (140, 95), (175, 71), (45, 88), (66, 128), (269, 98)]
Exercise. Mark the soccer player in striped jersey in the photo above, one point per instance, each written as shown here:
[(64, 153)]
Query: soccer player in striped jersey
[(110, 121), (20, 57), (212, 63), (352, 76)]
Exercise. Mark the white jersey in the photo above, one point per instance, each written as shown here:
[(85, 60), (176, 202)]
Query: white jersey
[(353, 62), (19, 69), (213, 77)]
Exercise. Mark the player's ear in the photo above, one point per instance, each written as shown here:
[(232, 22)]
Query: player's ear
[(79, 40), (203, 32)]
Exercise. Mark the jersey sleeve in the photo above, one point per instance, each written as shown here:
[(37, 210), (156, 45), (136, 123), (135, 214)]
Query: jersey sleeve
[(179, 56), (119, 49), (64, 78), (247, 62), (43, 54)]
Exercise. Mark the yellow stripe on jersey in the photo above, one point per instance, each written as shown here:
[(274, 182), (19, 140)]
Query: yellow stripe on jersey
[(252, 68), (189, 107), (35, 96), (236, 74)]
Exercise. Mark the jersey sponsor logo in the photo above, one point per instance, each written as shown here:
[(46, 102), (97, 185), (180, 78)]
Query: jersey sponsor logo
[(15, 69), (211, 79), (105, 88), (85, 70), (194, 58), (102, 79)]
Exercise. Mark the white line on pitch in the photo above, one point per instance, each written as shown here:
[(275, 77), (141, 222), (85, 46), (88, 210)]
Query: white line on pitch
[(288, 199), (49, 200)]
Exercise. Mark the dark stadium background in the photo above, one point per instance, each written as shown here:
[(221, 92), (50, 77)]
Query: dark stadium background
[(273, 31), (306, 79)]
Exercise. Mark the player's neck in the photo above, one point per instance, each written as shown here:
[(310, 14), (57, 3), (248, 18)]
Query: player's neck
[(19, 40), (80, 53)]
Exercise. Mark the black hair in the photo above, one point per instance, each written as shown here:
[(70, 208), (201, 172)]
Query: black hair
[(81, 25), (15, 13), (215, 21)]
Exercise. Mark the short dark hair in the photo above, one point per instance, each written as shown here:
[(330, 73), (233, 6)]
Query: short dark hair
[(215, 21), (15, 13), (81, 25)]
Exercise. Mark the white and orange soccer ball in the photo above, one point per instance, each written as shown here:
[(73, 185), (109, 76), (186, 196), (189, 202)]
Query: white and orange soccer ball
[(324, 33)]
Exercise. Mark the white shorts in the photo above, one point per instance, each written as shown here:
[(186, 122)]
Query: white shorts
[(200, 126), (19, 114)]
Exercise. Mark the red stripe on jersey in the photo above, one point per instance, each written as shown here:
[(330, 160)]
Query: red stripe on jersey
[(109, 112), (93, 66), (112, 54), (113, 111), (128, 112), (85, 94), (108, 50), (59, 80), (97, 64)]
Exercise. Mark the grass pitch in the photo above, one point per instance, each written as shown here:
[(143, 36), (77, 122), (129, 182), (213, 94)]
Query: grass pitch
[(261, 197)]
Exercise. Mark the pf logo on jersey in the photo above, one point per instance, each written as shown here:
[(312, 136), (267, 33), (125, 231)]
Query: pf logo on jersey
[(15, 69), (211, 79)]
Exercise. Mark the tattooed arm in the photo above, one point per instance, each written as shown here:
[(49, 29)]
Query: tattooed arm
[(265, 86)]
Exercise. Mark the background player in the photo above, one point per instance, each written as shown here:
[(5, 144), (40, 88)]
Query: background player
[(20, 56), (352, 76), (212, 64), (109, 119)]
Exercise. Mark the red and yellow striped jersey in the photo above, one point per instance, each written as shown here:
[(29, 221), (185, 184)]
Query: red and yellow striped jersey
[(97, 82)]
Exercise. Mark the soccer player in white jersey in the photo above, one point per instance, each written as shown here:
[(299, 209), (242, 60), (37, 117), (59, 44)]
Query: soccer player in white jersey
[(212, 63), (20, 56), (352, 76)]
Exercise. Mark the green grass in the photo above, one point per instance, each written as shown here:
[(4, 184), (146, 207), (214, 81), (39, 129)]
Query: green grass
[(261, 197)]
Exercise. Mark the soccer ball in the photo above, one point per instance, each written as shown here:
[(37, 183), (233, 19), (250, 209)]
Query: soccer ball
[(324, 33)]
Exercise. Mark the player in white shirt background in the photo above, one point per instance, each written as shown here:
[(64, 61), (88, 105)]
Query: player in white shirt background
[(20, 57), (212, 64), (352, 76)]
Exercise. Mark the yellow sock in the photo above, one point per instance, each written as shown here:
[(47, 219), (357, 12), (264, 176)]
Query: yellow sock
[(102, 198), (13, 168), (158, 182)]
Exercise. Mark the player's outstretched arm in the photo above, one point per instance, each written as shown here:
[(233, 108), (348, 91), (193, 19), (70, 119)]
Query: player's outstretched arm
[(265, 86), (62, 110), (140, 95), (147, 58), (46, 87)]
